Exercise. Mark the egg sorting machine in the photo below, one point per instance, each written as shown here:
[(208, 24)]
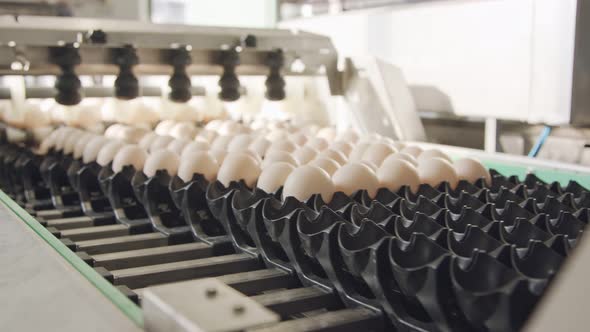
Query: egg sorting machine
[(295, 266)]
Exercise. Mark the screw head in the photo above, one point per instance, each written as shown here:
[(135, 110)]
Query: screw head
[(249, 41), (211, 292), (239, 309)]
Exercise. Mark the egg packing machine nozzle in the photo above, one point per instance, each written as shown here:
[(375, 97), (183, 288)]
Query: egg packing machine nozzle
[(229, 82), (180, 82), (68, 83), (126, 84), (158, 48), (275, 84)]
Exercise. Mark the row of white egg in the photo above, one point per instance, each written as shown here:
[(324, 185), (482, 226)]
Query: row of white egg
[(323, 170), (379, 153), (93, 111)]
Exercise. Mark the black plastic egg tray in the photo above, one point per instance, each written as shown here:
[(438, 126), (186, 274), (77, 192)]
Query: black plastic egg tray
[(473, 258)]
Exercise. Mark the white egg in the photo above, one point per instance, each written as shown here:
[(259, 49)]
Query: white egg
[(47, 144), (325, 163), (132, 135), (304, 181), (355, 176), (259, 145), (183, 130), (433, 153), (213, 125), (160, 142), (327, 133), (305, 154), (342, 146), (198, 162), (129, 155), (163, 128), (239, 142), (161, 159), (70, 142), (108, 152), (63, 136), (335, 155), (471, 170), (195, 146), (219, 155), (372, 137), (81, 144), (277, 134), (399, 146), (299, 138), (274, 176), (357, 152), (92, 148), (433, 171), (377, 152), (370, 165), (39, 133), (277, 156), (114, 130), (403, 156), (229, 128), (395, 173), (317, 143), (221, 142), (147, 140), (206, 135), (238, 166), (251, 154), (349, 135), (413, 150), (282, 145), (177, 145), (388, 140)]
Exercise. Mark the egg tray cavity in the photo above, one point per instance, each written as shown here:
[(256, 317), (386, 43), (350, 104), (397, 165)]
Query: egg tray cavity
[(472, 258)]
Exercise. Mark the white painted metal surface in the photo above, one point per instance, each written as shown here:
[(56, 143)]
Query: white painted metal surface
[(40, 291), (508, 59)]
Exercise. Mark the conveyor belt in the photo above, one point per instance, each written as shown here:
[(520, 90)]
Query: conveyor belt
[(410, 261)]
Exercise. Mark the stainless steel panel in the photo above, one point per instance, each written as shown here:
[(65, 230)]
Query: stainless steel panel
[(580, 110)]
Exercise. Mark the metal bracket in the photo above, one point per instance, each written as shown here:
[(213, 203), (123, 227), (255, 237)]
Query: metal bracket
[(201, 305)]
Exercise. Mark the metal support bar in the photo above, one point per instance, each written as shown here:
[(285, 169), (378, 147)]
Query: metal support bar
[(150, 256), (95, 232), (254, 282), (292, 301), (123, 243), (342, 320), (70, 223), (178, 271)]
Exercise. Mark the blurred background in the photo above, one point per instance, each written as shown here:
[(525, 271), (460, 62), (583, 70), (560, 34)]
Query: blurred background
[(487, 74)]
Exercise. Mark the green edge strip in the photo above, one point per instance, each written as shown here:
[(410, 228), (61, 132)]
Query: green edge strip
[(547, 175), (129, 308)]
